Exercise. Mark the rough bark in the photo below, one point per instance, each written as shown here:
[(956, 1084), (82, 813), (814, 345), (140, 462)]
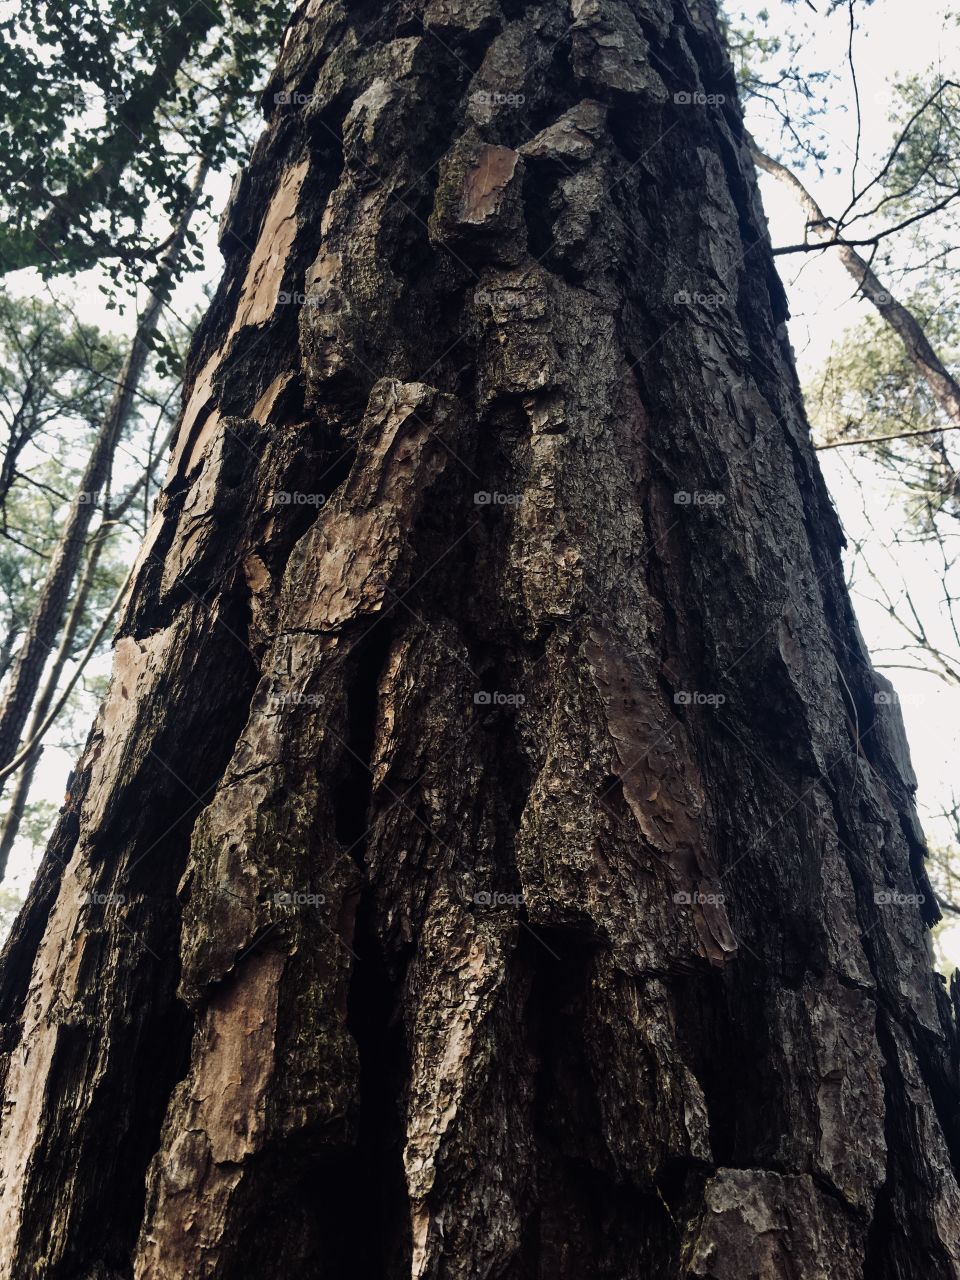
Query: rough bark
[(463, 888)]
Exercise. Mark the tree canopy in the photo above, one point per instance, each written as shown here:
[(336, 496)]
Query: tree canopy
[(103, 107)]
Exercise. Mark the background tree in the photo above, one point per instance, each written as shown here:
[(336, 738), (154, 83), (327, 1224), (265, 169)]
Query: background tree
[(56, 379), (52, 372), (67, 377), (47, 619)]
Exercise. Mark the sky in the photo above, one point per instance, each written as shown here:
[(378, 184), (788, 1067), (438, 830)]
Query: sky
[(893, 38)]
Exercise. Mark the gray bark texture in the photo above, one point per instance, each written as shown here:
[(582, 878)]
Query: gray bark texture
[(495, 856)]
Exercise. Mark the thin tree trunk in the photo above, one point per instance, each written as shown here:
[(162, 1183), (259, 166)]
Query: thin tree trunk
[(941, 384), (41, 633), (7, 645), (496, 856), (18, 801), (28, 748)]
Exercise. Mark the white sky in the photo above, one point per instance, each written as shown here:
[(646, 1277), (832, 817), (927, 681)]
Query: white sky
[(894, 38)]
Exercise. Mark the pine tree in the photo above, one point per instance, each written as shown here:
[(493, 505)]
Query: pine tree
[(495, 855)]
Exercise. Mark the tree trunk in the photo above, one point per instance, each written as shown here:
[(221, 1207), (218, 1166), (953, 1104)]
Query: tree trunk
[(10, 827), (495, 855)]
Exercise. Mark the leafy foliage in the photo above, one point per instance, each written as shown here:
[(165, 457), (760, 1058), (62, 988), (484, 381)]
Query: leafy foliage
[(10, 904), (868, 389), (102, 107), (49, 370)]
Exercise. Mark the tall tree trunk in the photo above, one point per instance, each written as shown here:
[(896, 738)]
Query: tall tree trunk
[(496, 855), (47, 619)]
